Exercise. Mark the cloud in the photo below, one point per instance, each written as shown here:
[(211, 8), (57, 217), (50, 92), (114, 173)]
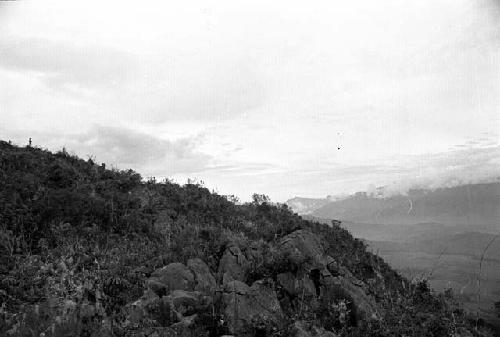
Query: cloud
[(470, 165), (395, 175), (146, 153), (62, 64), (126, 148), (163, 86)]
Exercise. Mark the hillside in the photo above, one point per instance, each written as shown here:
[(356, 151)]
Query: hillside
[(461, 205), (88, 251)]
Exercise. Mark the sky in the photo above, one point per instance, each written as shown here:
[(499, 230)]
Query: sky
[(284, 98)]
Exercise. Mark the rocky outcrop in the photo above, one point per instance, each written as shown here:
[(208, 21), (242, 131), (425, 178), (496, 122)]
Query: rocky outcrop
[(178, 295), (304, 250)]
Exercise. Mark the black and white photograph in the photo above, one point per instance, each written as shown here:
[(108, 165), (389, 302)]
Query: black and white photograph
[(232, 168)]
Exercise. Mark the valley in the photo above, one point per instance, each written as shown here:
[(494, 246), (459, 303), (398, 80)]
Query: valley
[(438, 239)]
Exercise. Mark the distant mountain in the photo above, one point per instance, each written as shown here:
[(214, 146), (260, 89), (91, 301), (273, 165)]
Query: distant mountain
[(460, 205), (306, 205)]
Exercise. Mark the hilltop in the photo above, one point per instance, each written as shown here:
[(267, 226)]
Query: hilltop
[(89, 251)]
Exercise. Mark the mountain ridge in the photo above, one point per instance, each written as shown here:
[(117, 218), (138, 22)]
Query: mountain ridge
[(459, 205)]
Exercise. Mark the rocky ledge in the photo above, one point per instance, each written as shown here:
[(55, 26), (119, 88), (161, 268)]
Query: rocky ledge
[(181, 299)]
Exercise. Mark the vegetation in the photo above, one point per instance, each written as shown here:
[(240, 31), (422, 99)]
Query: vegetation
[(78, 241)]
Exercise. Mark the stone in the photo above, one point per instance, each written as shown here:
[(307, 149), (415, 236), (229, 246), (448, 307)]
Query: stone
[(303, 249), (352, 289), (203, 278), (296, 286), (175, 276), (138, 310), (233, 265), (188, 303), (186, 327), (250, 308), (180, 306)]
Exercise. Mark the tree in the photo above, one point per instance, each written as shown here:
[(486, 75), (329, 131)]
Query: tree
[(260, 199)]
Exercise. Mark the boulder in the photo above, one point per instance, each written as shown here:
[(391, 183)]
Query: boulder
[(250, 309), (187, 303), (203, 278), (176, 310), (185, 327), (233, 265), (175, 276), (303, 249), (348, 287), (175, 297), (140, 309), (296, 286)]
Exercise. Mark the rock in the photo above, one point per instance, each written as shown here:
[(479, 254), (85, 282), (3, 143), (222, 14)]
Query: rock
[(296, 286), (233, 265), (139, 309), (175, 310), (303, 249), (265, 297), (248, 309), (326, 276), (204, 280), (352, 289), (188, 303), (176, 296), (175, 276), (186, 327)]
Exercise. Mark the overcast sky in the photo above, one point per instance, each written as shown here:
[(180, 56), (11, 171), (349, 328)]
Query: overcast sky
[(286, 98)]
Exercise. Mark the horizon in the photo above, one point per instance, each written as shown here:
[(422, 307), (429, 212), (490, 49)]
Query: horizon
[(284, 99)]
